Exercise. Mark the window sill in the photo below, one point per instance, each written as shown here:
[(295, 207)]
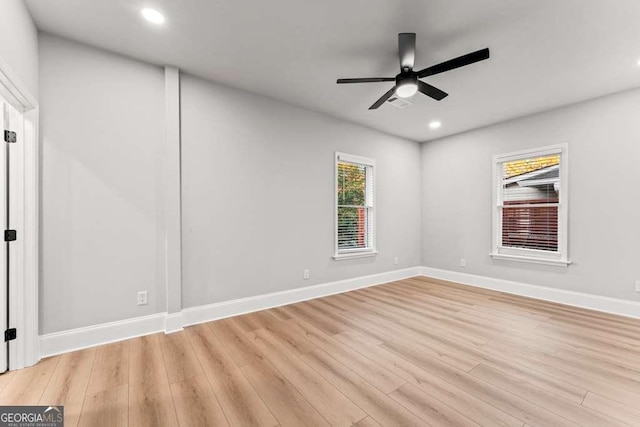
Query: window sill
[(533, 260), (342, 257)]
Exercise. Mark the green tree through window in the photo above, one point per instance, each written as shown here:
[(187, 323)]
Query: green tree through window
[(353, 206)]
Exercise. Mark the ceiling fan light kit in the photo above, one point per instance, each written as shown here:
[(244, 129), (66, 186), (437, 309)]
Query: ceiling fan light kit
[(407, 82), (406, 86)]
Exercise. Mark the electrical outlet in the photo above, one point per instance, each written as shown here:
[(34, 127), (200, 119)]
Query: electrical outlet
[(463, 262), (305, 274), (142, 298), (637, 285), (395, 261)]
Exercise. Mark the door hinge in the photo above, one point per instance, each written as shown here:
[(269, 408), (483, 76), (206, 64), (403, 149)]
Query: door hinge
[(10, 235), (9, 136), (10, 334)]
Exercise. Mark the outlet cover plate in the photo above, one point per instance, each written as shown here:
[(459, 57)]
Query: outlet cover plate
[(142, 298)]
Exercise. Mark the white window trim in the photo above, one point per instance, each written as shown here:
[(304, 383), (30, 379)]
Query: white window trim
[(361, 254), (559, 258), (344, 254)]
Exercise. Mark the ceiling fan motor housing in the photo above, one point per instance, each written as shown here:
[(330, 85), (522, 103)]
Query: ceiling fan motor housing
[(404, 78)]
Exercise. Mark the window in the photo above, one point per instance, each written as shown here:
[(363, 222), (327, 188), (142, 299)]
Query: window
[(530, 213), (355, 228)]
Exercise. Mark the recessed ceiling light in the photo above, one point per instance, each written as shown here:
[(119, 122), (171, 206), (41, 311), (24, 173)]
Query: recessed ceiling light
[(435, 125), (152, 16), (638, 63)]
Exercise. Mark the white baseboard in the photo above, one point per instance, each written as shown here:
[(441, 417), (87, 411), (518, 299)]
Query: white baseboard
[(77, 339), (174, 322), (576, 299), (207, 313), (90, 336)]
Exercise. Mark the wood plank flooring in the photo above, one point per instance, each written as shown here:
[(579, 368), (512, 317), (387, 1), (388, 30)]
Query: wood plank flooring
[(414, 352)]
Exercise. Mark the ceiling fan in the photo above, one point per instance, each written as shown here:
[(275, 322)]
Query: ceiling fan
[(407, 82)]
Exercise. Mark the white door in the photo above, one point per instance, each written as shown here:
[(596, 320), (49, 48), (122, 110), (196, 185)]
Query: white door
[(4, 346), (12, 122)]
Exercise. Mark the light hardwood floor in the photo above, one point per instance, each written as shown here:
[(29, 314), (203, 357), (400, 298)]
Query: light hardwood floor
[(414, 352)]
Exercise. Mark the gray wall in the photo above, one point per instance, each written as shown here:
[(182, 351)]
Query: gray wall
[(102, 124), (19, 43), (258, 200), (603, 136), (257, 190)]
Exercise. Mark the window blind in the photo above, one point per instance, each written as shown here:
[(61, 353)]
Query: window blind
[(529, 201), (354, 206)]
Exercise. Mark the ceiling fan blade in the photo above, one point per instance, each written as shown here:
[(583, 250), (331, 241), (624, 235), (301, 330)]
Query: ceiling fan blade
[(451, 64), (431, 91), (367, 80), (383, 99), (407, 50)]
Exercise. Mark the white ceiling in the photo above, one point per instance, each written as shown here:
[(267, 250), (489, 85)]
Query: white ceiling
[(544, 53)]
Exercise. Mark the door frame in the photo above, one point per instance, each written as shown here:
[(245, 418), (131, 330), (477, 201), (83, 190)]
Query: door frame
[(24, 276)]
